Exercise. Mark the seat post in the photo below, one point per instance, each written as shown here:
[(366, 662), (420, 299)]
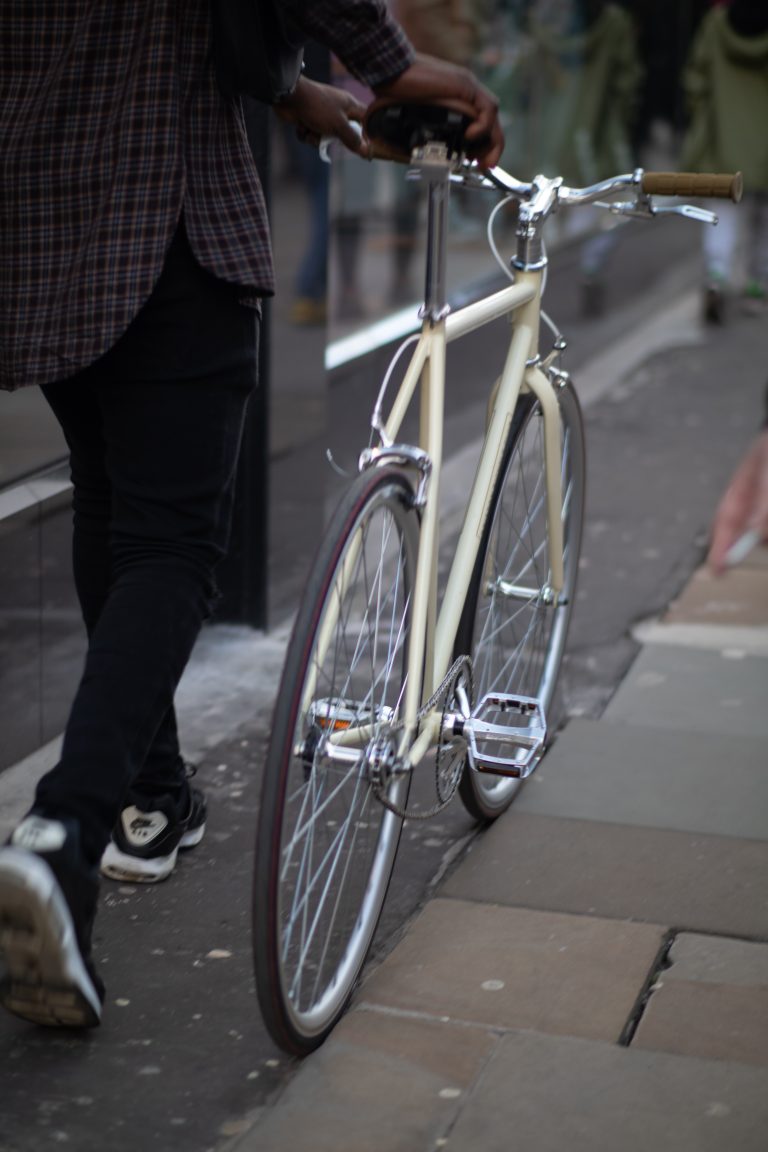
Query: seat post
[(433, 164)]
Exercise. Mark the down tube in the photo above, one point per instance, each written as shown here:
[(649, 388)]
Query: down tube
[(431, 439), (482, 488), (547, 397)]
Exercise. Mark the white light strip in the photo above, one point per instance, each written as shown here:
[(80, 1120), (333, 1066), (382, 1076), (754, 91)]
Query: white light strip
[(375, 336), (30, 493)]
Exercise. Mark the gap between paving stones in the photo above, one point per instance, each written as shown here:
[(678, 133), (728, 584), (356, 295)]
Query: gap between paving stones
[(663, 964), (660, 964)]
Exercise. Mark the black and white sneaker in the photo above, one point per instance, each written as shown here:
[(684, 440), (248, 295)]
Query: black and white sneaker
[(147, 838), (48, 901)]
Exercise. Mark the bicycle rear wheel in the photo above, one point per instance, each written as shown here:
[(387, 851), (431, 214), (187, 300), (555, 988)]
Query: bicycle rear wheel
[(325, 845), (517, 644)]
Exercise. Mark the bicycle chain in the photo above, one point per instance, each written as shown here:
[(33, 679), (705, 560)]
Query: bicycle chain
[(451, 678)]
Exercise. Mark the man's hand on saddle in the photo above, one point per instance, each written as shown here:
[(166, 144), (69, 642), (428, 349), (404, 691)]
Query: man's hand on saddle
[(319, 111), (429, 79)]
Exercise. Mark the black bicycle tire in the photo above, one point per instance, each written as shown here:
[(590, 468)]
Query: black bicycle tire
[(275, 1009)]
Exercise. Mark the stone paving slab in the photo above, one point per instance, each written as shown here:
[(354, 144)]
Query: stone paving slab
[(738, 598), (712, 1001), (381, 1083), (718, 960), (704, 883), (747, 639), (757, 558), (546, 1094), (696, 690), (714, 1021), (629, 774), (518, 968)]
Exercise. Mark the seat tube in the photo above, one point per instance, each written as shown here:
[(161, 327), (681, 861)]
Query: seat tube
[(435, 303), (434, 165)]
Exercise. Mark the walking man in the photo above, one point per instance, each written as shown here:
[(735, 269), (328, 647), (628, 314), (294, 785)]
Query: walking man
[(134, 250)]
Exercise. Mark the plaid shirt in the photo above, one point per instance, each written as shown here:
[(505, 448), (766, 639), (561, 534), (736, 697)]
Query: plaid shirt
[(110, 123)]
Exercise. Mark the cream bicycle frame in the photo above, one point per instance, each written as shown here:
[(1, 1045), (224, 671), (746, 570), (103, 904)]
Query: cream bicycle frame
[(432, 635)]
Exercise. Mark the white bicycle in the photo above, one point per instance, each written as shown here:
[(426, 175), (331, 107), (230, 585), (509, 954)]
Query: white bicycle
[(381, 680)]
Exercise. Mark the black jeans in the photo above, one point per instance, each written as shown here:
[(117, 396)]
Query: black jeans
[(154, 430)]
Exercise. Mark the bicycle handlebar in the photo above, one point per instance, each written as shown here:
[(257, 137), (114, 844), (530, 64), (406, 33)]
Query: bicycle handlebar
[(395, 128), (725, 186)]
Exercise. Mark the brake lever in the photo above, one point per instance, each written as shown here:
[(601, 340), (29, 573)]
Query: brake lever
[(643, 207), (690, 211)]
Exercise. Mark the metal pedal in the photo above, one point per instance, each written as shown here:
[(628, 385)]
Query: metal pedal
[(339, 714), (516, 749)]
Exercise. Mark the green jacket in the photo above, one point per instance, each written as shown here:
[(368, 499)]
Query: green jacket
[(569, 100), (726, 82), (598, 116)]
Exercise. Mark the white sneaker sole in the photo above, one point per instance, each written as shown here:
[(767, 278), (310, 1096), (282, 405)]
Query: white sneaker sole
[(46, 980), (117, 865)]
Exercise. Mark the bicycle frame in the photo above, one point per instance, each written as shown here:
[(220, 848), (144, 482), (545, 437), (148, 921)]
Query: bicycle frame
[(370, 685), (432, 635)]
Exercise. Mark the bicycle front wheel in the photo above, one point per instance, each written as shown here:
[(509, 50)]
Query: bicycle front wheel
[(517, 641), (326, 845)]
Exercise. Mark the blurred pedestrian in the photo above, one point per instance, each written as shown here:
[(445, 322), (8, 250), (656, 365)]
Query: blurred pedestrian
[(726, 82), (598, 114), (353, 185), (134, 249), (308, 307), (571, 82)]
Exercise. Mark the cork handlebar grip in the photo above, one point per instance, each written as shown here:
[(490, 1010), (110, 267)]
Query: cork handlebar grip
[(723, 185)]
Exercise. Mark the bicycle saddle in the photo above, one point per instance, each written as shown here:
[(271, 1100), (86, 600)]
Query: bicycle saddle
[(396, 128)]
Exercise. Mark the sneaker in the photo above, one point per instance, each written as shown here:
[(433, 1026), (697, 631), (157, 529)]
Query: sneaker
[(47, 907), (147, 838)]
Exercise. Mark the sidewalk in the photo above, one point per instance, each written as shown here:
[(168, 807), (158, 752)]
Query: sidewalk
[(594, 974), (529, 1003)]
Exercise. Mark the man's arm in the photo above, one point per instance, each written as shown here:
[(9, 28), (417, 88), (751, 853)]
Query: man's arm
[(320, 110), (744, 505), (375, 49), (362, 33)]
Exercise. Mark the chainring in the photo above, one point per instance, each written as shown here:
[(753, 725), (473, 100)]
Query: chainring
[(451, 754)]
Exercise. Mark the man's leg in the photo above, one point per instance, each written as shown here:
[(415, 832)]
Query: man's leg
[(171, 398), (170, 523), (719, 246), (80, 418), (756, 290)]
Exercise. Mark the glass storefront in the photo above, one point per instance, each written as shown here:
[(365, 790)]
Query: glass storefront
[(30, 438), (587, 88)]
